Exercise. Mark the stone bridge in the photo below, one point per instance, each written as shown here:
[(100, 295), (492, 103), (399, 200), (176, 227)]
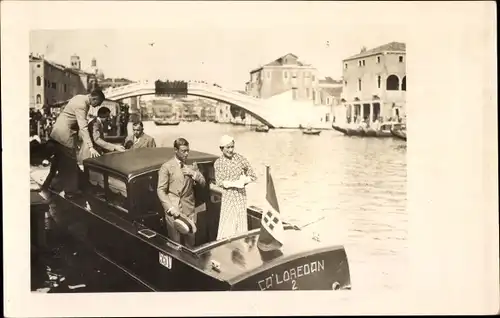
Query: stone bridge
[(258, 108)]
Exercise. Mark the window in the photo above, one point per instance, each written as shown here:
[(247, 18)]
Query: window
[(65, 88), (117, 194), (38, 81), (379, 79), (378, 59), (345, 83), (314, 95), (53, 85), (359, 84), (38, 65), (363, 62), (96, 180), (345, 66), (400, 59), (38, 99), (359, 63)]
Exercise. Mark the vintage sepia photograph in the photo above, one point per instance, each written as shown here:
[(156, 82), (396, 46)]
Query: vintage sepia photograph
[(201, 176), (210, 156)]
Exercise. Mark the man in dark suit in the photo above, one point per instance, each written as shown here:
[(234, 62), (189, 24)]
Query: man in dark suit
[(96, 129), (176, 181), (139, 139), (63, 140)]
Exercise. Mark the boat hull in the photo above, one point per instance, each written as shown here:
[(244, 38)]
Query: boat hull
[(399, 134), (119, 243), (363, 132), (314, 133), (159, 123), (262, 129)]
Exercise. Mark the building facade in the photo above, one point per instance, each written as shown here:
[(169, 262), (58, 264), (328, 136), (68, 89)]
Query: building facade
[(51, 82), (281, 75), (375, 83)]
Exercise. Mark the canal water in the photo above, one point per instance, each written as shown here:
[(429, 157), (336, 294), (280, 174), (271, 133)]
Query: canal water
[(354, 188)]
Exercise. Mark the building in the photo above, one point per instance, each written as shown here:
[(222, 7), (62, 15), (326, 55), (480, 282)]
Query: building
[(281, 75), (51, 82), (375, 83)]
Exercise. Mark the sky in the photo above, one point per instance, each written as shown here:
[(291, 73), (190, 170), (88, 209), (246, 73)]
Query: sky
[(214, 53)]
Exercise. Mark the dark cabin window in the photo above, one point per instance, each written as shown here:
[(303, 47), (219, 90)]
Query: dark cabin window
[(145, 198)]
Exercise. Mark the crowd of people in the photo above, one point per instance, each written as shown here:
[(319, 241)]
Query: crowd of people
[(74, 137)]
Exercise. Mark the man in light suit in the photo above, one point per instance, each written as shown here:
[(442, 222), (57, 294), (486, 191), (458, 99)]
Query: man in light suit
[(139, 139), (63, 140), (96, 129), (176, 181)]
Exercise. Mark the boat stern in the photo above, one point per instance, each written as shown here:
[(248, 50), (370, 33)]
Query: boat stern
[(326, 269)]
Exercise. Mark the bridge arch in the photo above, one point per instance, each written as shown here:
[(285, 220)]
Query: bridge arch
[(253, 106)]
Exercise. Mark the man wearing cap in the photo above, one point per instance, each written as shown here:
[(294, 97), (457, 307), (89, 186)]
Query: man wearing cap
[(232, 172), (176, 181)]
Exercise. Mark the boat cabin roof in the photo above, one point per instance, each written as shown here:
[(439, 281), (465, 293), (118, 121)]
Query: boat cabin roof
[(137, 161)]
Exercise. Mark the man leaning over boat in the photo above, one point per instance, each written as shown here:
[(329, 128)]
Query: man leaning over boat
[(176, 181), (63, 139)]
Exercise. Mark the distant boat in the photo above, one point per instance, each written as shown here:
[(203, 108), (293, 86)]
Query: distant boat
[(310, 131), (399, 133), (166, 122), (383, 132), (262, 128)]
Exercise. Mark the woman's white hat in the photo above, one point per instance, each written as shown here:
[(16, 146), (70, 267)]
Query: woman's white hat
[(225, 140)]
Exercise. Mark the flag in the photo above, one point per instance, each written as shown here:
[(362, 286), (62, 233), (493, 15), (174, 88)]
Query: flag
[(271, 226)]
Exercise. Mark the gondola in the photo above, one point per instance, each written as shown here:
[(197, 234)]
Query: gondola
[(120, 218), (383, 132), (399, 134), (166, 122)]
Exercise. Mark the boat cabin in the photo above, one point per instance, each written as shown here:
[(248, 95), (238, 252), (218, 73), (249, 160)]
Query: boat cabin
[(127, 182), (126, 221)]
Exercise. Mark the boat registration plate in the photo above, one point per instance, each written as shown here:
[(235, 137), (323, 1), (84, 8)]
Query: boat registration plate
[(166, 260)]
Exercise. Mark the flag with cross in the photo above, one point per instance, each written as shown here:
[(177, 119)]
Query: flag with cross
[(271, 230)]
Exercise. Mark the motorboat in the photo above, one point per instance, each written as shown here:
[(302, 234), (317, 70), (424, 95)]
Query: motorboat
[(121, 219)]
